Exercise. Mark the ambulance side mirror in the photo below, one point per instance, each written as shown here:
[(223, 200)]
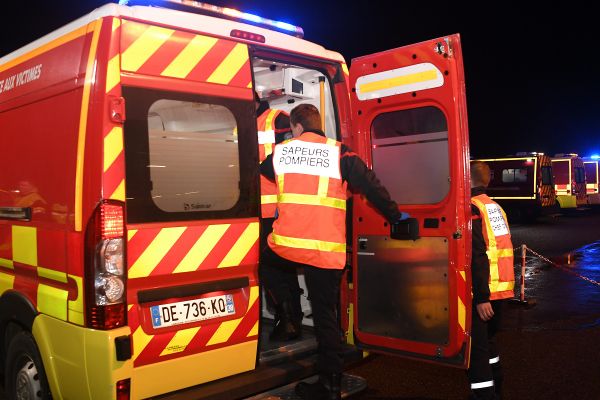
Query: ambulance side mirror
[(405, 230)]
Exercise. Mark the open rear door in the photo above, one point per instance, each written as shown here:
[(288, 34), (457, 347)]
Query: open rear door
[(413, 297)]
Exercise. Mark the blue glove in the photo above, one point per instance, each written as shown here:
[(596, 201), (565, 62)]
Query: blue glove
[(403, 216)]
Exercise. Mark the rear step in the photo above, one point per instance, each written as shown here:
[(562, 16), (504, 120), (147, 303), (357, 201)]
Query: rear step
[(351, 385)]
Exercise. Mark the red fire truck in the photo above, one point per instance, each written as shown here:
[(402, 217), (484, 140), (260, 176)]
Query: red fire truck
[(522, 184), (129, 206), (569, 180), (592, 179)]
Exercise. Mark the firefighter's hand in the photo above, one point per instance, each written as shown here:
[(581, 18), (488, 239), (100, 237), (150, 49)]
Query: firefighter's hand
[(485, 311)]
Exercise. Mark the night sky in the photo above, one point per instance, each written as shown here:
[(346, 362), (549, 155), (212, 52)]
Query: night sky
[(532, 73)]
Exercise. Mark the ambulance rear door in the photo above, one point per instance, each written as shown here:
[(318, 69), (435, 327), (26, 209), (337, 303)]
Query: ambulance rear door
[(410, 294)]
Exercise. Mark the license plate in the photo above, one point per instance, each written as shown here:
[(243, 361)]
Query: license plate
[(184, 312)]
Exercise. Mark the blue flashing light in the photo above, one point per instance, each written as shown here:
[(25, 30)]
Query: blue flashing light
[(123, 2), (252, 17), (285, 26), (595, 157)]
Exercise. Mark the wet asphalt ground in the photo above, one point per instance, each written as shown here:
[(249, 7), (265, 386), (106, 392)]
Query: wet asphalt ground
[(550, 349)]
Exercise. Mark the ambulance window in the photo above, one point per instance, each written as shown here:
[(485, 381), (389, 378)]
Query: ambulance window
[(547, 176), (410, 154), (184, 156), (514, 175), (590, 172), (579, 175)]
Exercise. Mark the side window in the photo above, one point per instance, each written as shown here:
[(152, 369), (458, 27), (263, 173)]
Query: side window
[(188, 156), (579, 175), (514, 175), (547, 176), (410, 150)]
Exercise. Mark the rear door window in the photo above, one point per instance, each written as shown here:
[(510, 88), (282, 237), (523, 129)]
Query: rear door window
[(547, 176), (188, 157)]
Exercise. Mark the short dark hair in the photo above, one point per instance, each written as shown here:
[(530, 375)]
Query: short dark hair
[(307, 115), (480, 174)]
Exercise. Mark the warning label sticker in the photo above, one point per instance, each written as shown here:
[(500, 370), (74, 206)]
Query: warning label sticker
[(496, 219), (307, 158)]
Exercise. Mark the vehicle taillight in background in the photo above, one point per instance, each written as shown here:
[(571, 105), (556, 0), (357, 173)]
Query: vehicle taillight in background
[(105, 267)]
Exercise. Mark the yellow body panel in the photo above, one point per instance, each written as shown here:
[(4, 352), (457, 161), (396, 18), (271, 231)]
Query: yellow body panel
[(567, 201), (80, 363)]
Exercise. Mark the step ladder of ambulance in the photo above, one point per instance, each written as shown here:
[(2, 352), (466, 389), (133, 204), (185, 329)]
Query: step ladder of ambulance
[(351, 385)]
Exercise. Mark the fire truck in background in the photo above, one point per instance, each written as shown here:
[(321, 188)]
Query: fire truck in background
[(569, 180), (129, 206), (592, 179), (522, 184)]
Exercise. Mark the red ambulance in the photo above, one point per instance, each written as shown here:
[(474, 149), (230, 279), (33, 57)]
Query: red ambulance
[(129, 203), (569, 180)]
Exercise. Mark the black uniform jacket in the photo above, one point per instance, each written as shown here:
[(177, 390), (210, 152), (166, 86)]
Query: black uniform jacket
[(480, 264)]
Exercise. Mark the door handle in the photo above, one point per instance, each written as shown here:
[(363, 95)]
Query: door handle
[(407, 229)]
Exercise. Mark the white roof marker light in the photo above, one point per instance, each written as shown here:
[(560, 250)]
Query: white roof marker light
[(205, 8)]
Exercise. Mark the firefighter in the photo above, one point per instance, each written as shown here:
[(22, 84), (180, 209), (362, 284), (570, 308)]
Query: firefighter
[(273, 127), (312, 173), (493, 280)]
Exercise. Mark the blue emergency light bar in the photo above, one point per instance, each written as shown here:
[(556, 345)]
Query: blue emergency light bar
[(223, 12), (595, 157)]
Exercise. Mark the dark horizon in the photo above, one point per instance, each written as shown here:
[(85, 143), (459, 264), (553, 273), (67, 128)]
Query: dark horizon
[(530, 72)]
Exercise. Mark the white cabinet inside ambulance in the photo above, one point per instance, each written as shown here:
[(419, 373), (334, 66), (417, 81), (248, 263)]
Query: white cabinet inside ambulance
[(129, 204)]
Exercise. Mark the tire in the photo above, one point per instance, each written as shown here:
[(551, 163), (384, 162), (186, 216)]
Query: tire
[(25, 378)]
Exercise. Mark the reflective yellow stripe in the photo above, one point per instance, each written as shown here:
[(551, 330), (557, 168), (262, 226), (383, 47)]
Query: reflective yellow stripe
[(504, 286), (140, 341), (280, 181), (24, 244), (52, 274), (113, 73), (113, 146), (230, 65), (253, 331), (309, 244), (266, 199), (227, 328), (6, 263), (462, 314), (202, 248), (119, 193), (241, 247), (90, 76), (269, 126), (189, 57), (76, 306), (324, 180), (268, 148), (144, 47), (389, 83), (497, 253), (180, 341), (52, 301), (154, 253), (131, 233), (6, 282), (311, 199)]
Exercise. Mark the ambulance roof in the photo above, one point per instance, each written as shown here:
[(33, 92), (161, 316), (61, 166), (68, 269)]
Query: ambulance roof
[(185, 20)]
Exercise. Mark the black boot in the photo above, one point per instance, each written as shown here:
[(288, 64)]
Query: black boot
[(287, 327), (328, 387)]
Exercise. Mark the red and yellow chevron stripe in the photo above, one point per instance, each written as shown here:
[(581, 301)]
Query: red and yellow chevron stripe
[(158, 51), (194, 249)]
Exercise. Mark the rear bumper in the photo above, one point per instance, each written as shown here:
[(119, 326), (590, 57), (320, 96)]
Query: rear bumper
[(594, 198)]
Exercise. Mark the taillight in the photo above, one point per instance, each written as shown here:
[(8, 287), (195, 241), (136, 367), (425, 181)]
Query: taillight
[(123, 389), (105, 269)]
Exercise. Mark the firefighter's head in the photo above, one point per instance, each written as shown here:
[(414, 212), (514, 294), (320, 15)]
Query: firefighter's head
[(304, 117), (480, 174)]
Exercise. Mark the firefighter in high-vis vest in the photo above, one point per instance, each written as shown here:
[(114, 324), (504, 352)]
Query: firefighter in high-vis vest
[(312, 173), (273, 127), (493, 280)]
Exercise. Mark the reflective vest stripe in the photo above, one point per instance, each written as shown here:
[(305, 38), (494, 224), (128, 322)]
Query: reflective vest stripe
[(309, 244), (312, 200), (268, 199)]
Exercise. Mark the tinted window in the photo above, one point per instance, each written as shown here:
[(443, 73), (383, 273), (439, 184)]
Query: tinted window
[(579, 175), (410, 154), (514, 175), (590, 172), (547, 176), (188, 157)]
